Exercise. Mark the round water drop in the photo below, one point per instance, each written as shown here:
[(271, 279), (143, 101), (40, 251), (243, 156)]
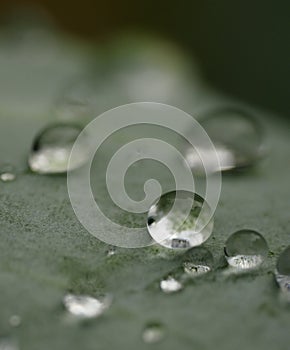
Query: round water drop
[(237, 137), (52, 147), (15, 321), (84, 306), (246, 249), (282, 272), (180, 220), (170, 285), (197, 261), (153, 333)]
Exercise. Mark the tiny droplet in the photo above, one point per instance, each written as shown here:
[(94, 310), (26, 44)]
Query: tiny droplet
[(153, 333), (170, 285), (84, 306)]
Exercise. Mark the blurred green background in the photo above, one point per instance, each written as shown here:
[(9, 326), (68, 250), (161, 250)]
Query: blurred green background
[(242, 46)]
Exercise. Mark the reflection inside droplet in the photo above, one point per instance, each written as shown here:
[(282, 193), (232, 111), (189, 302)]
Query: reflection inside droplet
[(52, 147), (180, 220), (84, 306), (282, 273), (153, 333), (170, 285), (246, 249)]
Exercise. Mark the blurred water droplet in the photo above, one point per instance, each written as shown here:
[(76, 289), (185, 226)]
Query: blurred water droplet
[(8, 344), (246, 249), (170, 285), (15, 321), (52, 147), (7, 173), (282, 272), (198, 261), (6, 177), (180, 220), (84, 306), (153, 333), (237, 137)]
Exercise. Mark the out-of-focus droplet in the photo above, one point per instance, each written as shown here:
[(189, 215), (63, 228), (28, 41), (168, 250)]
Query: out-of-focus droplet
[(197, 261), (52, 147), (15, 321), (180, 220), (282, 272), (237, 137), (7, 173), (153, 333), (84, 306), (246, 249), (8, 344), (170, 285)]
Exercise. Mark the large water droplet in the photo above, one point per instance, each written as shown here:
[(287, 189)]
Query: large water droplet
[(246, 249), (282, 272), (197, 261), (237, 137), (170, 285), (180, 220), (84, 306), (52, 147), (153, 333)]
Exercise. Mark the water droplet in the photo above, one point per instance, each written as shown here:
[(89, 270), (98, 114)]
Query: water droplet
[(246, 249), (5, 177), (197, 261), (111, 251), (8, 344), (237, 137), (15, 321), (170, 285), (282, 272), (153, 333), (7, 173), (180, 220), (52, 147), (84, 306)]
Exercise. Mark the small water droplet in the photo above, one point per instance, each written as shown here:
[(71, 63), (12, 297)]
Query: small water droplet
[(111, 251), (198, 261), (84, 306), (15, 321), (5, 177), (7, 173), (180, 220), (282, 272), (170, 285), (52, 147), (237, 137), (246, 249), (153, 333)]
